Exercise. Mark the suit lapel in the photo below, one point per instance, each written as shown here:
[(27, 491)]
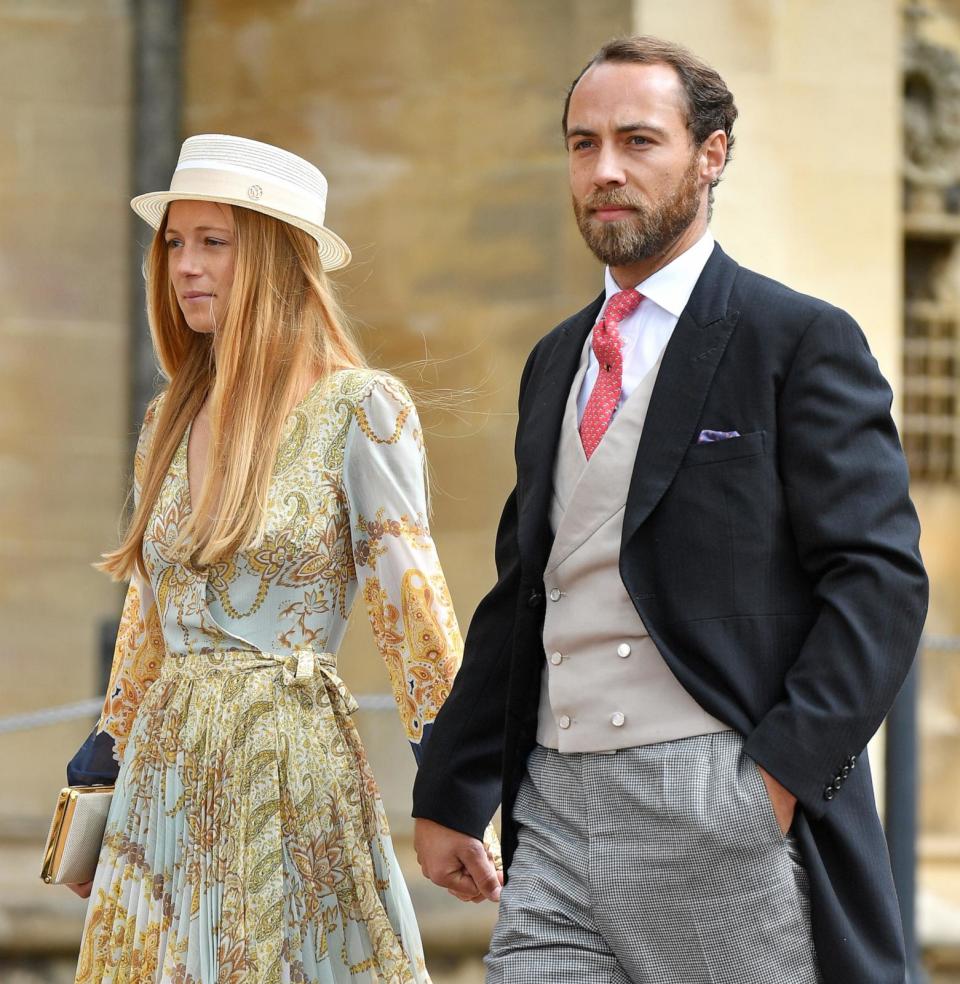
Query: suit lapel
[(689, 363), (540, 435)]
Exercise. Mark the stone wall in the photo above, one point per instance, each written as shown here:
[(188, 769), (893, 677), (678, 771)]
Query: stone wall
[(812, 197), (64, 247)]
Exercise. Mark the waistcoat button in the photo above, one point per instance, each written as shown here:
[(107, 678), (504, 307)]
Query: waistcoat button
[(617, 719), (556, 658), (564, 721), (623, 650), (555, 594)]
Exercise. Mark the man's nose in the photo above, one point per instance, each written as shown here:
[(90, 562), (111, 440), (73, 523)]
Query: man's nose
[(608, 169)]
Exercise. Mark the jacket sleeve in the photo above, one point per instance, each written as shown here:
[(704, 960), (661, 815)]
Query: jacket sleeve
[(857, 536), (136, 662), (459, 781)]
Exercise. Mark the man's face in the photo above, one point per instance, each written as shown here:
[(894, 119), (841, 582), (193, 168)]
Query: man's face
[(636, 179)]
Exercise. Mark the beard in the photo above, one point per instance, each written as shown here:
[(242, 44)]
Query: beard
[(649, 232)]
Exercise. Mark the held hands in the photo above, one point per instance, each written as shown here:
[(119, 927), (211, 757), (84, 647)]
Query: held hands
[(463, 865), (784, 803)]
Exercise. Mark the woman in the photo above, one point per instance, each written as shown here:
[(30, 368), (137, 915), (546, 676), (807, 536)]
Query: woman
[(274, 477)]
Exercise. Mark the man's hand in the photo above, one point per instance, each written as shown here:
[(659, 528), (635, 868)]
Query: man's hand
[(456, 862), (784, 803)]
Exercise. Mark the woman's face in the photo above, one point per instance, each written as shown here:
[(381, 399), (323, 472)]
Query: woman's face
[(201, 252)]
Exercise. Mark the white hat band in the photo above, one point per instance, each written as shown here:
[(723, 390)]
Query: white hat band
[(266, 192)]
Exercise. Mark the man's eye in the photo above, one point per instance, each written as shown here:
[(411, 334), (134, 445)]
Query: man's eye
[(637, 139), (582, 144)]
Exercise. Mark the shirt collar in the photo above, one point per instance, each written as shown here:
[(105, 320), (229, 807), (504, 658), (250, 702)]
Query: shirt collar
[(671, 286)]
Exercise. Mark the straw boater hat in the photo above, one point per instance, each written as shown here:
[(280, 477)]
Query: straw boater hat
[(236, 171)]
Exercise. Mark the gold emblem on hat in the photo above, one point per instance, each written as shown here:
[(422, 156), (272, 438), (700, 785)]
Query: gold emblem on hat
[(255, 192)]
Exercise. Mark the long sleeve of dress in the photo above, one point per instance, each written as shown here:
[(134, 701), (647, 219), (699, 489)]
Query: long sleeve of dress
[(136, 662), (398, 571)]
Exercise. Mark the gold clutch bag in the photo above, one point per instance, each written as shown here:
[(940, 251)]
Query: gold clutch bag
[(76, 834)]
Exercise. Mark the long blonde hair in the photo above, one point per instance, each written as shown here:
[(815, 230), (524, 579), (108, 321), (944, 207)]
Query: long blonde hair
[(282, 325)]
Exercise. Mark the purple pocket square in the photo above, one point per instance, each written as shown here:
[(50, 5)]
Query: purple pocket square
[(708, 436)]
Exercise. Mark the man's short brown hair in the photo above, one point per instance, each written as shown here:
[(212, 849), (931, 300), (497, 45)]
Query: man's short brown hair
[(710, 104)]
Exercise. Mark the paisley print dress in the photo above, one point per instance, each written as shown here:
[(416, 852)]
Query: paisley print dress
[(246, 841)]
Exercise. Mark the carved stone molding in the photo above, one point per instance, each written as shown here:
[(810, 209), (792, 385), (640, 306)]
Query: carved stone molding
[(931, 121)]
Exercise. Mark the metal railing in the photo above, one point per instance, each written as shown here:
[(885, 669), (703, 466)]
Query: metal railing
[(107, 641), (91, 708), (900, 797)]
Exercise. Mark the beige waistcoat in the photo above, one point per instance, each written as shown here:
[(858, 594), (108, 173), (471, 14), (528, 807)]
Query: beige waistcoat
[(605, 685)]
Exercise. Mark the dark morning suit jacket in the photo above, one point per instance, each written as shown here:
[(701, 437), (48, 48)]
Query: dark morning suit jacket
[(778, 573)]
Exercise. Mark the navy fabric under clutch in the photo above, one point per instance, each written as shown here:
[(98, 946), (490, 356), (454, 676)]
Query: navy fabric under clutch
[(94, 764)]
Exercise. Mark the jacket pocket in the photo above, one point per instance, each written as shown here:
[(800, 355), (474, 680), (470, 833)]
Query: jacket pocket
[(744, 446)]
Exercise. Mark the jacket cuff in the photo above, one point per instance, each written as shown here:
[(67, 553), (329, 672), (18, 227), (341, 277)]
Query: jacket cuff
[(777, 747), (453, 808)]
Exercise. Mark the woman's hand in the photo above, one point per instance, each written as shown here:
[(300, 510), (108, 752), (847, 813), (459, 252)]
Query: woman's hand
[(82, 889)]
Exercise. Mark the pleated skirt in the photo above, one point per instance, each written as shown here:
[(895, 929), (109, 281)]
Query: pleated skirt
[(247, 842)]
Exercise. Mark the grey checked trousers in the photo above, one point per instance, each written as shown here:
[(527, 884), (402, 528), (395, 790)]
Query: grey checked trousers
[(662, 864)]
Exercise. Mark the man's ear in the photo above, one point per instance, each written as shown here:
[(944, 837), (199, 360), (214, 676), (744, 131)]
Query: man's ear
[(713, 156)]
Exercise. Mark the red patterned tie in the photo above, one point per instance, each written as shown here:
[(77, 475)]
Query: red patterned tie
[(606, 390)]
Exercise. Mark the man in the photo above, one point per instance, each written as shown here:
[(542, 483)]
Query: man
[(709, 594)]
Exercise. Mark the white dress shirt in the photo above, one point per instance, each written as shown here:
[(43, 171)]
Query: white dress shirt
[(645, 333)]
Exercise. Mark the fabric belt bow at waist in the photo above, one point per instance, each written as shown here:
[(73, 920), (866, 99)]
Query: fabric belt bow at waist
[(297, 669)]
